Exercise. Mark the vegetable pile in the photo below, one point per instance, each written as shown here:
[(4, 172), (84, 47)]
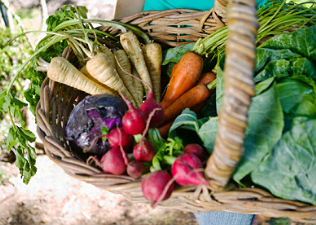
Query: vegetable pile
[(131, 123)]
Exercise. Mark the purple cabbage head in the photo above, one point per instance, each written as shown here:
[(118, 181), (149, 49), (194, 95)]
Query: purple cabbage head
[(87, 119)]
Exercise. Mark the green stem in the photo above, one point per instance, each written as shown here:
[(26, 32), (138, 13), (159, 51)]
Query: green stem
[(54, 40), (10, 114), (212, 85), (169, 159), (115, 24)]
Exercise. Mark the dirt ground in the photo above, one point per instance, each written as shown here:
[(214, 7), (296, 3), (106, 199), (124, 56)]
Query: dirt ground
[(54, 198)]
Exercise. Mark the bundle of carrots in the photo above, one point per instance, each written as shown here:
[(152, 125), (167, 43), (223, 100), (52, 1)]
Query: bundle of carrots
[(187, 88)]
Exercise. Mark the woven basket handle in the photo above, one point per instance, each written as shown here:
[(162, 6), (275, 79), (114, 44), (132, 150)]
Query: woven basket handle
[(238, 89)]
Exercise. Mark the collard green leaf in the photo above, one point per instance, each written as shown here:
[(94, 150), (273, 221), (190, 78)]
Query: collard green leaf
[(265, 125), (186, 126), (263, 86), (279, 68), (286, 67), (297, 96), (208, 132), (174, 54), (294, 159), (300, 41), (303, 66), (267, 55), (187, 119)]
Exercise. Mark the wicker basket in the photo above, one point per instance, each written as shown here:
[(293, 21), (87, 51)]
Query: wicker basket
[(57, 101)]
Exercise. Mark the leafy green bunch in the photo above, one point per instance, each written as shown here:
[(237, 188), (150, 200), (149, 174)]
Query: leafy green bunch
[(13, 99)]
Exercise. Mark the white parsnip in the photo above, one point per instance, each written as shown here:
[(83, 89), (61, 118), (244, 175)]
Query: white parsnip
[(132, 47), (153, 57), (62, 71), (123, 67), (85, 72), (139, 88), (102, 68)]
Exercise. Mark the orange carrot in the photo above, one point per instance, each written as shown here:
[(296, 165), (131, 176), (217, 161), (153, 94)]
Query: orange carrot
[(207, 78), (173, 69), (185, 77), (189, 99), (197, 108)]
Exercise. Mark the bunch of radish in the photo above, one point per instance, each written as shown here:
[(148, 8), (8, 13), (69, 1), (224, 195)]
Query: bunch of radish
[(157, 186)]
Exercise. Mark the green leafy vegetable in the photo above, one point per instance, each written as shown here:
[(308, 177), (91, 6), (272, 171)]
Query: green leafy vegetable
[(265, 126), (294, 159), (297, 95), (166, 151), (174, 54), (19, 138), (285, 74)]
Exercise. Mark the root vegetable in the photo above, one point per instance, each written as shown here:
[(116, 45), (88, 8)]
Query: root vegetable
[(135, 169), (197, 150), (132, 47), (102, 68), (153, 58), (62, 71), (207, 78), (144, 151), (157, 186), (185, 76), (134, 120), (195, 95), (118, 137), (139, 88), (112, 162), (123, 64), (187, 170), (150, 106), (173, 69)]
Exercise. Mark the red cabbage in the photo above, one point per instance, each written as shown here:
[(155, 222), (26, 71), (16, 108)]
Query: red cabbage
[(87, 119)]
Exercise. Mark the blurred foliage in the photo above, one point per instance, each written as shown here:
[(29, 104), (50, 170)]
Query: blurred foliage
[(13, 52)]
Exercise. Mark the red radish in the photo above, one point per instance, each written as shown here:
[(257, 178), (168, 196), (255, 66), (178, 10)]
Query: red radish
[(134, 120), (157, 186), (135, 169), (118, 137), (186, 170), (196, 150), (144, 151), (112, 162), (150, 105)]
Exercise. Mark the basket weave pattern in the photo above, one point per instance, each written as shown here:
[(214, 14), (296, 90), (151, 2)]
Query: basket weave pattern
[(177, 26), (57, 101)]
